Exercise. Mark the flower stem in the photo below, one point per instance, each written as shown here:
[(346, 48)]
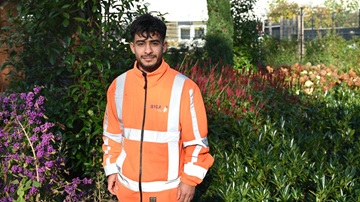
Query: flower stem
[(33, 151)]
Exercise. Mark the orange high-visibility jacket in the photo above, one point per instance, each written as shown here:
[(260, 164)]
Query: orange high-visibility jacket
[(155, 128)]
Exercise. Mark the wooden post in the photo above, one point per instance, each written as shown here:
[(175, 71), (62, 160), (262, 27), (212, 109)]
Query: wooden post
[(294, 24), (288, 29), (301, 33), (281, 27)]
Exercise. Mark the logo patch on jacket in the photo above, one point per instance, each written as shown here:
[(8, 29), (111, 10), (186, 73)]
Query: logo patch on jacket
[(159, 108)]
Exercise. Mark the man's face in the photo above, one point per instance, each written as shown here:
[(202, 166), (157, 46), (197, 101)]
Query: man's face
[(148, 52)]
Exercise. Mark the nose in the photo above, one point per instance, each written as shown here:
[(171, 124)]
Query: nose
[(148, 48)]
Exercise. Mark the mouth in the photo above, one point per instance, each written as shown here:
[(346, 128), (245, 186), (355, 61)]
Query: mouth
[(148, 57)]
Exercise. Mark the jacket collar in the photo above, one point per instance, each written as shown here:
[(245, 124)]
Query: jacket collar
[(153, 77)]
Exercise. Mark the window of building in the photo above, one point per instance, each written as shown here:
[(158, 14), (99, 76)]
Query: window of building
[(185, 33), (199, 32), (191, 32)]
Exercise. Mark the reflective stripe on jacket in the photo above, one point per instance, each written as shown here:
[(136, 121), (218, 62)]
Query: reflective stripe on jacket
[(173, 137)]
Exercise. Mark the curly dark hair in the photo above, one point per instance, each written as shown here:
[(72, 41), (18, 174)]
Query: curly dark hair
[(147, 25)]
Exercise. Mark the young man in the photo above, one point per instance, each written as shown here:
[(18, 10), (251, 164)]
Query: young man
[(155, 127)]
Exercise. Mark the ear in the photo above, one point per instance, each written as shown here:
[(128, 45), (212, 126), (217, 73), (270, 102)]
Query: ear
[(132, 47), (165, 45)]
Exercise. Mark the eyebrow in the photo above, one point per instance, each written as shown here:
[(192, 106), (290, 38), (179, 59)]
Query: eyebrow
[(153, 40)]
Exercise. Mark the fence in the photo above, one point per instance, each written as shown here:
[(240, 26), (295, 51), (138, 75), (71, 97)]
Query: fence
[(309, 26), (303, 27)]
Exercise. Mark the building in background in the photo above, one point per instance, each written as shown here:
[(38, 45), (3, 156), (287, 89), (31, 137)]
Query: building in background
[(186, 20)]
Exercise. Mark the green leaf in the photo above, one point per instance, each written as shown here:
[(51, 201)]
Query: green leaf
[(15, 182), (27, 185), (65, 6), (20, 193), (52, 59), (66, 23), (87, 72), (80, 19), (36, 184), (66, 15), (94, 9), (19, 6)]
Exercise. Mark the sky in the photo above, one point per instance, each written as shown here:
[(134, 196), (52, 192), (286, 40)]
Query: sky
[(180, 10), (195, 10)]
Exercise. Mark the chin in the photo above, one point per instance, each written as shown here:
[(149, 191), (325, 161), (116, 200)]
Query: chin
[(150, 66)]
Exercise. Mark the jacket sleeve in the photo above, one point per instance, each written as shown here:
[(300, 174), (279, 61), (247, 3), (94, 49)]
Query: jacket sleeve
[(193, 122), (112, 134)]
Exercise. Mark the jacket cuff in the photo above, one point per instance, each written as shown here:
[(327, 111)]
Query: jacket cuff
[(187, 180), (110, 169)]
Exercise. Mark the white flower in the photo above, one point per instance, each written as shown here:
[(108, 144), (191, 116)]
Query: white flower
[(303, 72), (308, 83), (90, 112)]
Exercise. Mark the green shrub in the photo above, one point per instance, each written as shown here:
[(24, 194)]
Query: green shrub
[(294, 148), (74, 53), (280, 52), (330, 49), (334, 50), (219, 49)]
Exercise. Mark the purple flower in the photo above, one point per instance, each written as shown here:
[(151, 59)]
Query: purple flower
[(40, 100), (37, 89), (5, 100), (12, 189), (14, 168), (18, 160), (6, 189), (33, 190), (49, 164), (70, 189), (40, 154), (87, 181), (22, 96), (29, 104), (41, 169), (76, 180), (28, 160), (16, 146), (33, 138), (29, 174), (50, 149), (2, 133), (30, 96)]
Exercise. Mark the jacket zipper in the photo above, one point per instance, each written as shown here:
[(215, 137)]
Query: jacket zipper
[(142, 136)]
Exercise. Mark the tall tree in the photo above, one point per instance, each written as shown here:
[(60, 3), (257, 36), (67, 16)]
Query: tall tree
[(220, 31), (246, 33), (283, 8), (340, 6)]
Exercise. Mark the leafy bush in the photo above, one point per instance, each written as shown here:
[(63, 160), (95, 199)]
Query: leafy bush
[(247, 35), (334, 50), (32, 156), (220, 30), (219, 49), (292, 148), (74, 52), (330, 49), (280, 52)]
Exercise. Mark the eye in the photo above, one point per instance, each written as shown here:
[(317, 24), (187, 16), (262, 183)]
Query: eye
[(140, 44), (155, 43)]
